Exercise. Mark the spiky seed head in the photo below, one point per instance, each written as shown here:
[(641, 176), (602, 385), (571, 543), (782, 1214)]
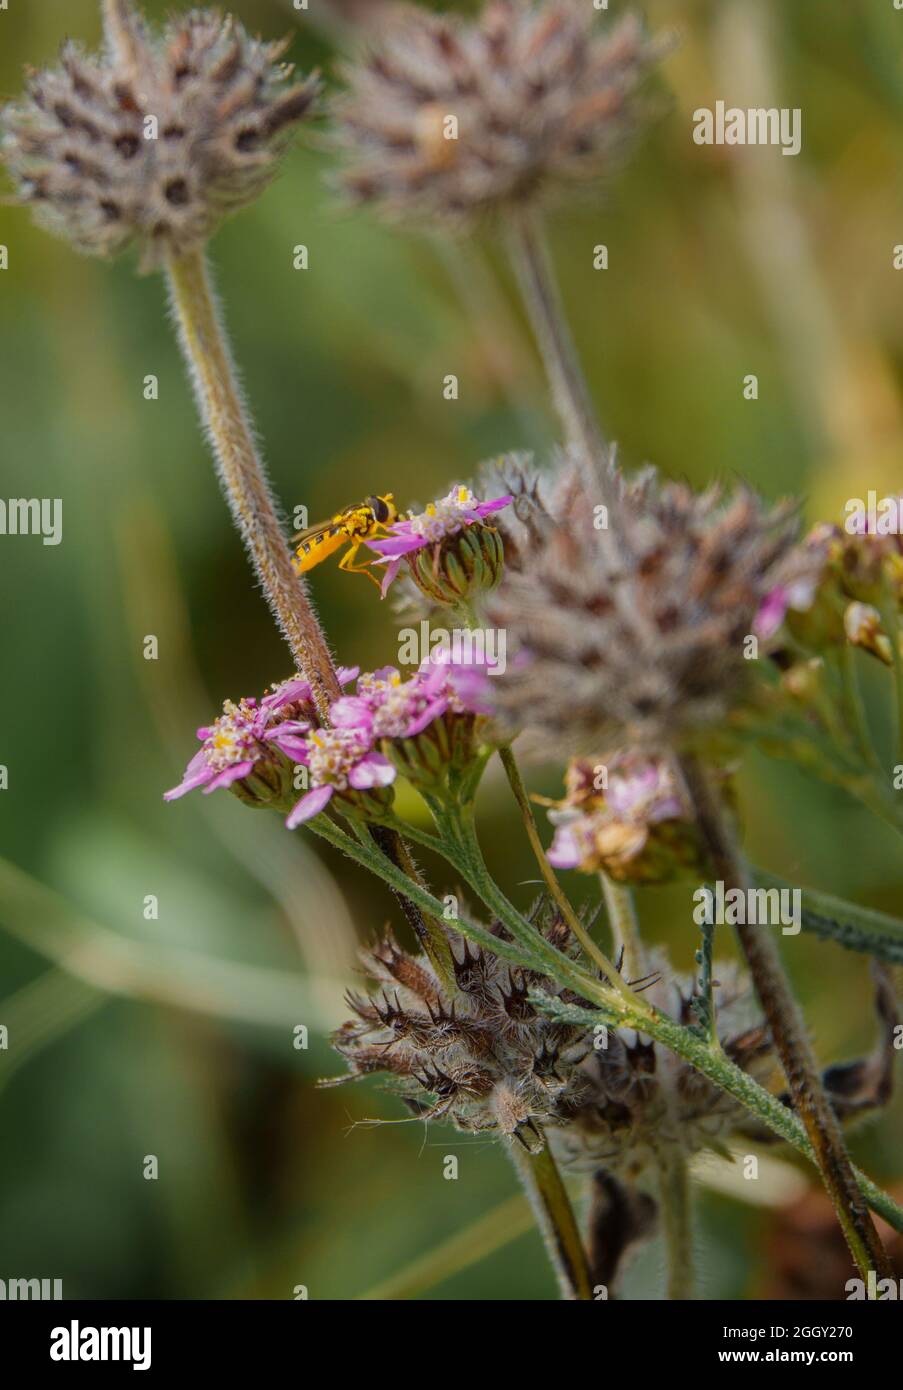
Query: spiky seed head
[(156, 141), (483, 1056), (449, 119), (479, 1054), (633, 632), (642, 1099)]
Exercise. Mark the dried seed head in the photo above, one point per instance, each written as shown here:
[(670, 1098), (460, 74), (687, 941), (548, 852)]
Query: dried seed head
[(156, 142), (489, 1060), (643, 1099), (484, 1055), (480, 1055), (633, 633), (450, 119)]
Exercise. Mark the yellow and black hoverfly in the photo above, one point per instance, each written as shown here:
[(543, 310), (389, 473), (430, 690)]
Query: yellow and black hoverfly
[(364, 521)]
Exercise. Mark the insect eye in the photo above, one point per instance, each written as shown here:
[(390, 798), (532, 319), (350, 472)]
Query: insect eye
[(380, 509)]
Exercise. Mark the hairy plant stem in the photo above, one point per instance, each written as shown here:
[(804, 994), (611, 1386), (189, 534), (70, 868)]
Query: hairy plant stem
[(625, 929), (677, 1221), (788, 1033), (425, 927), (890, 621), (516, 783), (226, 419), (709, 1061), (555, 1217), (542, 298)]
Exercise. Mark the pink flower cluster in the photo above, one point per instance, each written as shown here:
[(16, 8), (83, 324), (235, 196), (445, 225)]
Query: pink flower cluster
[(340, 759), (638, 795)]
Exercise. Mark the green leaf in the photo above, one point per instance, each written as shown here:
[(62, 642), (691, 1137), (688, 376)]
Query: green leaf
[(856, 928)]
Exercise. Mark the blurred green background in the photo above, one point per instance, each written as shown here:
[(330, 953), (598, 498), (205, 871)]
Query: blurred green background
[(174, 1037)]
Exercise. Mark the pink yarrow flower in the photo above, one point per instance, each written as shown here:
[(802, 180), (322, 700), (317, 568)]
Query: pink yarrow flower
[(251, 732), (341, 759), (391, 707), (777, 603), (232, 745), (615, 827), (440, 520)]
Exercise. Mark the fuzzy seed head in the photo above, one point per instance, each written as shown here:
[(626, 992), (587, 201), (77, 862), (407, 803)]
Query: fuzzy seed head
[(447, 119), (633, 632), (643, 1099), (156, 142), (479, 1055), (486, 1058)]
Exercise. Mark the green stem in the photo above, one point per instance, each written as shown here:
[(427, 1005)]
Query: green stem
[(625, 929), (555, 1217), (415, 833), (478, 875), (579, 931), (677, 1221), (383, 867), (706, 1020), (833, 919)]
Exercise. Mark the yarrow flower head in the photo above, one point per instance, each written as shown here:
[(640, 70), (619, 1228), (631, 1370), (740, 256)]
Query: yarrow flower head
[(252, 745), (629, 818), (158, 140), (342, 762), (632, 632), (391, 707), (451, 552), (264, 750), (447, 119), (425, 725)]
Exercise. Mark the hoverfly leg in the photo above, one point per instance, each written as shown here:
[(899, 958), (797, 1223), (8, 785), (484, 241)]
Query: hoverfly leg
[(347, 564)]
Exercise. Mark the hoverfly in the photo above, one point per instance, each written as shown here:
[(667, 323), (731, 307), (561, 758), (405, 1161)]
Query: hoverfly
[(354, 525)]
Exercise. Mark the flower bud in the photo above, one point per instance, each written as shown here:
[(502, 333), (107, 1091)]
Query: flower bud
[(461, 567), (862, 624)]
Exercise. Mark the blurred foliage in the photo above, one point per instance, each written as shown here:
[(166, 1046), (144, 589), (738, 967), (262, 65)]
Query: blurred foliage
[(722, 263)]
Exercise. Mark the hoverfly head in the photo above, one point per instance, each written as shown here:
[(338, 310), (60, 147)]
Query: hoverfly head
[(384, 508)]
